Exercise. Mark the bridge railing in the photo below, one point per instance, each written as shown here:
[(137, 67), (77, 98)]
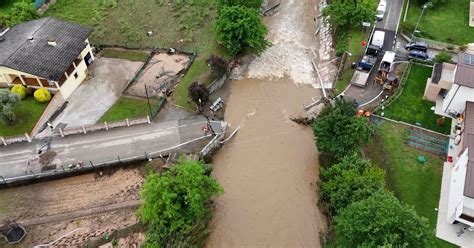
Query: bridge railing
[(5, 141)]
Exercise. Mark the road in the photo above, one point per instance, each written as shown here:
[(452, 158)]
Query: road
[(22, 159), (389, 25)]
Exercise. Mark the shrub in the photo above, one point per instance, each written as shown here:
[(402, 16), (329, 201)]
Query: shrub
[(341, 45), (20, 90), (351, 180), (42, 95), (8, 101), (177, 204), (21, 12), (382, 221), (219, 65), (443, 57), (256, 4)]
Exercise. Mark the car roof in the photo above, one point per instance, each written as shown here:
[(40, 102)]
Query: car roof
[(416, 52), (419, 43)]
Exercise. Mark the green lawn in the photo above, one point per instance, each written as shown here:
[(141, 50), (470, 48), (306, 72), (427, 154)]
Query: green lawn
[(410, 106), (131, 55), (447, 22), (127, 108), (27, 113), (413, 183), (186, 25), (355, 38)]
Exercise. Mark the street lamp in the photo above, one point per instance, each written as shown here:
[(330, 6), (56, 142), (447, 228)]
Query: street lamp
[(425, 6)]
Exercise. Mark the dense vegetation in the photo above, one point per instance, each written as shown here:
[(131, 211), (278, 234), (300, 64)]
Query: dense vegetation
[(353, 190), (177, 205)]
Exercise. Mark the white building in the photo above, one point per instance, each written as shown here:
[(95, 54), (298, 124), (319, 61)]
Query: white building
[(452, 88)]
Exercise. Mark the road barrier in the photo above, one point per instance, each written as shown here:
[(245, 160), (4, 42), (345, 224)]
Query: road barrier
[(5, 141)]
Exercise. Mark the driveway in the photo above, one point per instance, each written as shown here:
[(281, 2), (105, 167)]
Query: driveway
[(104, 86)]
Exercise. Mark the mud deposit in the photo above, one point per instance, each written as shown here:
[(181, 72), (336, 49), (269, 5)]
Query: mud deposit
[(269, 171)]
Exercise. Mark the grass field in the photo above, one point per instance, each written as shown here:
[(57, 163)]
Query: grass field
[(412, 182), (355, 48), (127, 108), (446, 22), (27, 113), (410, 106), (184, 25)]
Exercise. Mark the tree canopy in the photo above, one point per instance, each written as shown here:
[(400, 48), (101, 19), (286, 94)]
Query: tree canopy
[(339, 132), (8, 100), (176, 201), (382, 221), (239, 28), (21, 12), (351, 180), (349, 13), (255, 4)]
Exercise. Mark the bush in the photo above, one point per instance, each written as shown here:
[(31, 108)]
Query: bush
[(341, 45), (177, 204), (339, 132), (21, 12), (256, 4), (240, 28), (351, 180), (8, 101), (443, 57), (382, 221), (42, 95), (20, 90), (219, 65)]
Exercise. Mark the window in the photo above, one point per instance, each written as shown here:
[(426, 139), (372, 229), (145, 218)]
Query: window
[(76, 75)]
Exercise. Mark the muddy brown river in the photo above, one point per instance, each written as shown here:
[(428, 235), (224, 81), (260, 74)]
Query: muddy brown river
[(269, 170)]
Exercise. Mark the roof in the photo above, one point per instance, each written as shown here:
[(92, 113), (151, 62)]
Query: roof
[(436, 75), (465, 71), (469, 143), (25, 47)]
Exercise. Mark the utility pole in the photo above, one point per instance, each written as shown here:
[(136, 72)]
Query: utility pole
[(148, 100), (425, 6)]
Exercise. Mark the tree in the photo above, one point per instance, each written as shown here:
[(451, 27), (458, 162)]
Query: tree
[(176, 200), (339, 132), (219, 65), (348, 13), (443, 57), (21, 12), (351, 180), (198, 93), (8, 100), (381, 220), (240, 28), (256, 4)]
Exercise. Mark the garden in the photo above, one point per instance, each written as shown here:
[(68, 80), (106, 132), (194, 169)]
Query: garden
[(446, 21), (410, 106), (412, 182), (20, 111)]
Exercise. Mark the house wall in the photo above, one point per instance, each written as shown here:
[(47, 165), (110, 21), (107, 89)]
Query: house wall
[(5, 74), (455, 100), (456, 188), (431, 91)]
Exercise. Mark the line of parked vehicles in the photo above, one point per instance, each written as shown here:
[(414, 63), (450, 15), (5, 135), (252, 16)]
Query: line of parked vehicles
[(417, 50)]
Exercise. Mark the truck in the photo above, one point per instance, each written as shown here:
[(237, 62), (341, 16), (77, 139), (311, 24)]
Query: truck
[(381, 10), (387, 62), (365, 66)]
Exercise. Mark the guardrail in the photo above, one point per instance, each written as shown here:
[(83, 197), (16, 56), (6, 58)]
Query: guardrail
[(5, 141)]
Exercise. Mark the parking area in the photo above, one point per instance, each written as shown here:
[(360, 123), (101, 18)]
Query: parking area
[(103, 87)]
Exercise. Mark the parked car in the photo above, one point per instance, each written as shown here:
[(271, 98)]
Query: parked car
[(416, 54), (381, 10), (420, 46)]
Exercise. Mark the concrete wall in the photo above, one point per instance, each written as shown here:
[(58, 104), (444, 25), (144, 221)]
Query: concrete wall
[(431, 91), (456, 187)]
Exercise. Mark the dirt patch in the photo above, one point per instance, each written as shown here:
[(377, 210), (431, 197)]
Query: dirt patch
[(269, 171), (161, 72), (70, 194)]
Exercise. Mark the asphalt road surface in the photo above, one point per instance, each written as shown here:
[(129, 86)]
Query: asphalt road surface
[(22, 159), (389, 25)]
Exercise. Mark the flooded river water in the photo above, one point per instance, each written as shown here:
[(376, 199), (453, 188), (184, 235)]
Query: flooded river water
[(269, 170)]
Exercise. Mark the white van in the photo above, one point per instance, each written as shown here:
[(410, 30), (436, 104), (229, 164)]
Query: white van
[(378, 38), (381, 10)]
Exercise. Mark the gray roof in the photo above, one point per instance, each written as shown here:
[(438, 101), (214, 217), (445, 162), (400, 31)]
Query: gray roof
[(464, 71), (436, 75), (468, 142), (38, 58)]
